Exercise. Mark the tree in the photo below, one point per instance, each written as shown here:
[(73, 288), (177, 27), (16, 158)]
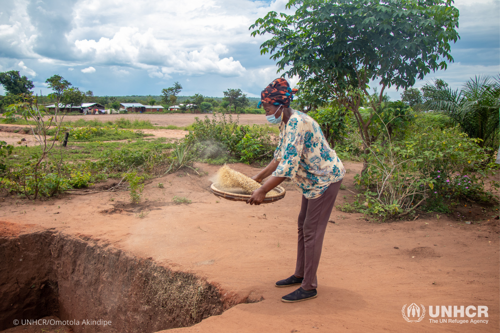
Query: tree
[(212, 101), (475, 107), (171, 91), (59, 85), (338, 47), (430, 90), (15, 84), (205, 106), (72, 96), (224, 104), (115, 105), (198, 99), (89, 96), (412, 97), (235, 98), (173, 99)]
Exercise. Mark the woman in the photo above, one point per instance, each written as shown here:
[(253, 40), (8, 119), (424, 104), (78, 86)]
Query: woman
[(304, 156)]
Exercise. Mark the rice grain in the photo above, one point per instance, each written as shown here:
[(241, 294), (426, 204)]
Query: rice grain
[(230, 180)]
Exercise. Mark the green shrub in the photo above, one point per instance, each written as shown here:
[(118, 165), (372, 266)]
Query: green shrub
[(242, 142), (428, 168), (100, 134), (135, 186), (80, 179), (254, 111), (5, 151), (334, 124)]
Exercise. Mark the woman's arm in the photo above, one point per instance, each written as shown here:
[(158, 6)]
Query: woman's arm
[(259, 194), (269, 169)]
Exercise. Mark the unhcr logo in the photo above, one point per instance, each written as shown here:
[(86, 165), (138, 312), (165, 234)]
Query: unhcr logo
[(414, 313), (447, 314)]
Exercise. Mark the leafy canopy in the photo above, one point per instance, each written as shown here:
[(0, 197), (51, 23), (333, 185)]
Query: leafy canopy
[(169, 94), (235, 98), (73, 96), (58, 84), (337, 47), (475, 107), (412, 97), (15, 84), (394, 41)]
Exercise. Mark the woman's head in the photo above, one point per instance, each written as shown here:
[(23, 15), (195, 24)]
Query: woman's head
[(277, 93)]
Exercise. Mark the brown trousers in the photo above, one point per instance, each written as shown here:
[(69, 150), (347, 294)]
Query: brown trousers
[(313, 218)]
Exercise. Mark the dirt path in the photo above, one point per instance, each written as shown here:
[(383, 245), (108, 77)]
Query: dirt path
[(177, 119), (17, 139), (368, 271)]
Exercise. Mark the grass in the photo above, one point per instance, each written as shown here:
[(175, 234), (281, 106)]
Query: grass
[(173, 127), (180, 200), (79, 151), (120, 123)]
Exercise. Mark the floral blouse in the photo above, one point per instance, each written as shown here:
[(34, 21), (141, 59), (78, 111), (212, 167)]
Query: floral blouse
[(305, 157)]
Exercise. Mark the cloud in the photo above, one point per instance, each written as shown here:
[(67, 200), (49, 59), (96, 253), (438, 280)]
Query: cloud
[(88, 70), (17, 34), (130, 47), (53, 21), (120, 71), (144, 45), (26, 70)]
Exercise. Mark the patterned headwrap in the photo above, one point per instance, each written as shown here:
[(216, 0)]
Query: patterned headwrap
[(277, 93)]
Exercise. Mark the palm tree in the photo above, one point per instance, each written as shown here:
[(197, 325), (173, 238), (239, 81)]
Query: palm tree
[(475, 108)]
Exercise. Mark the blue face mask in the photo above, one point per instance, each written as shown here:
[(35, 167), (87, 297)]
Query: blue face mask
[(272, 119)]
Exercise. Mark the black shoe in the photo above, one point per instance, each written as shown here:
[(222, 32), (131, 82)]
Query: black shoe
[(292, 280), (300, 295)]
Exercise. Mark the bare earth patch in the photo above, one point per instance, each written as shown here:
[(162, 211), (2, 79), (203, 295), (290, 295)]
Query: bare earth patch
[(368, 270), (165, 119)]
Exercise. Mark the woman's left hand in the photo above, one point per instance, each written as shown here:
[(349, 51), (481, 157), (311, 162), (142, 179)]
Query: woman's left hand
[(257, 197)]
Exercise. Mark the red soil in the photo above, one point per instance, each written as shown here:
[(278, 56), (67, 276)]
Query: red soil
[(368, 270)]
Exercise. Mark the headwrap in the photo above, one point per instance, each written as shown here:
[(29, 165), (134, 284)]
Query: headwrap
[(277, 93)]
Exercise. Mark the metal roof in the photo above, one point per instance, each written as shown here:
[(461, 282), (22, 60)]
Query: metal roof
[(86, 105), (67, 106), (154, 107), (132, 105)]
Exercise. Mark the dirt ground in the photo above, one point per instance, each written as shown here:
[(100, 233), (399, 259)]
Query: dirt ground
[(176, 119), (165, 119), (368, 270), (9, 135)]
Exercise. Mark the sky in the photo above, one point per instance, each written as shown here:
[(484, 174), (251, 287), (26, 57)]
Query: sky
[(139, 47)]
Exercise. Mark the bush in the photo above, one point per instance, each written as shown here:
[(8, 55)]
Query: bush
[(135, 186), (254, 111), (428, 168), (5, 151), (222, 136), (99, 134), (333, 122)]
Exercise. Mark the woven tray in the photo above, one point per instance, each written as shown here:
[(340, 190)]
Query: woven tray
[(244, 197)]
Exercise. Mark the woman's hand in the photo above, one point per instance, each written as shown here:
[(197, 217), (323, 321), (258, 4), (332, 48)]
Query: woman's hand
[(257, 179), (257, 197)]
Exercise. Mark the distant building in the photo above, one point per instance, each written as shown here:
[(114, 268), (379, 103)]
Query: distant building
[(65, 108), (92, 108), (154, 108), (132, 107), (189, 107)]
